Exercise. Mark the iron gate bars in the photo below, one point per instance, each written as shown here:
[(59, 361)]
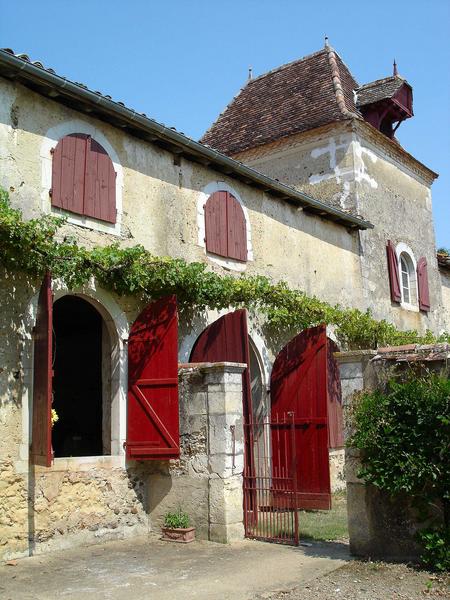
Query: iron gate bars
[(270, 481)]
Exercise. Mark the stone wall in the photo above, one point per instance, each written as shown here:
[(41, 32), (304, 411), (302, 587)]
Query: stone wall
[(357, 168), (88, 500)]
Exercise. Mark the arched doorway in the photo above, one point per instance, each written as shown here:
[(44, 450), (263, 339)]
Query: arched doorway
[(81, 381)]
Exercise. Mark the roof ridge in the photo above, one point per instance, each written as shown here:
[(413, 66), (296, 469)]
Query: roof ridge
[(337, 83), (222, 112), (288, 64), (377, 81)]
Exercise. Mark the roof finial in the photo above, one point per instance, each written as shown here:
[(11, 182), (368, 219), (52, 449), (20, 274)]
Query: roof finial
[(327, 45), (250, 73), (395, 68)]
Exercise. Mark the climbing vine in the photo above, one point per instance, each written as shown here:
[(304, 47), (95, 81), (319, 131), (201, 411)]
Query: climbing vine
[(37, 245)]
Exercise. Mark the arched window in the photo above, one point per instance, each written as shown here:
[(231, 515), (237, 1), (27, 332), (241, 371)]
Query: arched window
[(408, 279), (83, 178), (225, 227)]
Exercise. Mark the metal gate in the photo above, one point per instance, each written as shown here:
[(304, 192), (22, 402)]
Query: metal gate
[(270, 481)]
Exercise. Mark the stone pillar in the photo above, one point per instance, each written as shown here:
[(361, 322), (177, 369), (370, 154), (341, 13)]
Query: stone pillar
[(206, 482), (356, 373), (223, 382)]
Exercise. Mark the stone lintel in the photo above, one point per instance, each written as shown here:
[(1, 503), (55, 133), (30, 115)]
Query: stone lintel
[(206, 367), (354, 355)]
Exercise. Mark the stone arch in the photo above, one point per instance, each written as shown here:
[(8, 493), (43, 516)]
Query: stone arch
[(117, 328)]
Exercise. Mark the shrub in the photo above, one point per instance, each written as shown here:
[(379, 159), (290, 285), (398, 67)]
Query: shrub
[(404, 436), (176, 520), (436, 548)]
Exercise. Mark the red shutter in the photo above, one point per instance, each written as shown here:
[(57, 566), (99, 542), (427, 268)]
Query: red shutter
[(225, 228), (216, 224), (394, 278), (41, 441), (100, 184), (237, 231), (335, 414), (422, 284), (152, 412), (68, 167)]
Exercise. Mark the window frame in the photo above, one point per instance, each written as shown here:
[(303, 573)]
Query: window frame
[(51, 138), (226, 263), (406, 256)]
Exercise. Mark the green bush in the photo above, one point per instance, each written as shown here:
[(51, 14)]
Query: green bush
[(436, 548), (404, 436), (176, 520)]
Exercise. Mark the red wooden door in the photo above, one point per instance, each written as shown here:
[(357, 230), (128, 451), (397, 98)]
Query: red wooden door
[(299, 385), (152, 410), (41, 440), (227, 340)]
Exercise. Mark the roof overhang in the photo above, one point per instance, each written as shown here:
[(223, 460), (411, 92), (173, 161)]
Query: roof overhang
[(94, 104)]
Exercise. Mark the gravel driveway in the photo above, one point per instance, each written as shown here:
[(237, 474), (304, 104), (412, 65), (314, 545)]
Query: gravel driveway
[(370, 581)]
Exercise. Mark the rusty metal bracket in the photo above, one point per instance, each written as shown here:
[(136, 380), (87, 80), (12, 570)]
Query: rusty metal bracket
[(233, 446)]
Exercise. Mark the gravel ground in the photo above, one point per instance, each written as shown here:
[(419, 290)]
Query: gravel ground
[(370, 581)]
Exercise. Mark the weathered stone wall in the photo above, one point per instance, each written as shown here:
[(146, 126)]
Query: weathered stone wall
[(161, 202), (90, 499), (207, 480), (356, 168)]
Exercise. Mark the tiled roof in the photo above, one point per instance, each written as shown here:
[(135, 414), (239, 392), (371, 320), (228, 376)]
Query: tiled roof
[(44, 81), (378, 90), (414, 353), (299, 96)]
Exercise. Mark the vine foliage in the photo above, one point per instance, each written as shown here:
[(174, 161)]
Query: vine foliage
[(36, 245)]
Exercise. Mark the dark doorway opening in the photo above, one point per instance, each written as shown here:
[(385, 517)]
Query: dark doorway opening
[(77, 382)]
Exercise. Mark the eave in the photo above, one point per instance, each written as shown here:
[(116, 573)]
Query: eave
[(94, 104)]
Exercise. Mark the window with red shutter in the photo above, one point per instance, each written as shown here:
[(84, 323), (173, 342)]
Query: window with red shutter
[(394, 279), (225, 227), (422, 281), (152, 409), (83, 178)]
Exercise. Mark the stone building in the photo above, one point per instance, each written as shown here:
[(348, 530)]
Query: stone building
[(277, 187)]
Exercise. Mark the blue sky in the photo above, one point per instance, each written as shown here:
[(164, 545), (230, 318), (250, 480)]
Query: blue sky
[(181, 62)]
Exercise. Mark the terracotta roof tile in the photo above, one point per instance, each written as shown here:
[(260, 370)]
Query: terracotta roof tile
[(302, 95), (379, 90)]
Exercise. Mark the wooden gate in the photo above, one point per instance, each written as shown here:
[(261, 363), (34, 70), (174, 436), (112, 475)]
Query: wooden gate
[(299, 387)]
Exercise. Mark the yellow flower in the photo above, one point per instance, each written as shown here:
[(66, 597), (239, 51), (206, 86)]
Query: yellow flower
[(55, 417)]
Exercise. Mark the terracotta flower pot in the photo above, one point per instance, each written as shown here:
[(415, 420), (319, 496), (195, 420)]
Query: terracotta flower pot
[(183, 536)]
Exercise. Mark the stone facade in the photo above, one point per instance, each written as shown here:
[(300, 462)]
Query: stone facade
[(358, 169), (89, 499)]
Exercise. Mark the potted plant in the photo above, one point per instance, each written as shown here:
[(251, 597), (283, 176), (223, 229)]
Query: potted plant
[(176, 527)]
